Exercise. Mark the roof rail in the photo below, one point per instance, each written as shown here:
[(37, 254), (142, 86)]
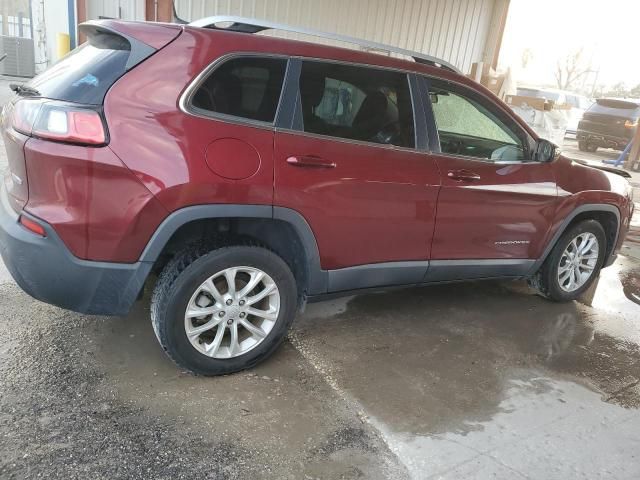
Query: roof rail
[(250, 25)]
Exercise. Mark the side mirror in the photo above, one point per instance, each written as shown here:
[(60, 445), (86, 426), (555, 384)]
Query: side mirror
[(545, 151)]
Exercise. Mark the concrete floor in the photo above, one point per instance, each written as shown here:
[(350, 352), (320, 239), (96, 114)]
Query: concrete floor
[(471, 380)]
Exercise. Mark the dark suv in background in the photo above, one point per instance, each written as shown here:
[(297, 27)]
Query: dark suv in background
[(608, 123), (253, 174)]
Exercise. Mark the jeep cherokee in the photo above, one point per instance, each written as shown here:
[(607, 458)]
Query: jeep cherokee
[(253, 174)]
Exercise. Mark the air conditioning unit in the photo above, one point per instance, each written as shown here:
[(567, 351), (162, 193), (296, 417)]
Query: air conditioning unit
[(19, 61)]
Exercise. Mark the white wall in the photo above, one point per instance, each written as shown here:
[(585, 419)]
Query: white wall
[(458, 31), (52, 17), (49, 18), (56, 17), (122, 9)]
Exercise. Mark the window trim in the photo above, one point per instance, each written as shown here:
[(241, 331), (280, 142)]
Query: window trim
[(412, 96), (186, 97), (490, 104), (426, 141)]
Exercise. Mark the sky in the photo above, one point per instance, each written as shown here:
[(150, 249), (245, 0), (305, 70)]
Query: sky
[(607, 30)]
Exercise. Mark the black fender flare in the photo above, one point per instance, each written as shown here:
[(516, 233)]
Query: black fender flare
[(589, 207), (317, 278)]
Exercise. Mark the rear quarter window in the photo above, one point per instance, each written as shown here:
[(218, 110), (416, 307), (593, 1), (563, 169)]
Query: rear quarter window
[(85, 74), (245, 87)]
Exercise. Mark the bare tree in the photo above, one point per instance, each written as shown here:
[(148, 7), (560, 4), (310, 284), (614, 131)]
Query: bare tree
[(571, 69), (527, 56)]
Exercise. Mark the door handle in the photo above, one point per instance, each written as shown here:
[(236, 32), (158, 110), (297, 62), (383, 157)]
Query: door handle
[(463, 175), (310, 161)]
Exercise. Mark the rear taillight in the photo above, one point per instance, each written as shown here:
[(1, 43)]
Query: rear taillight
[(631, 124), (59, 121)]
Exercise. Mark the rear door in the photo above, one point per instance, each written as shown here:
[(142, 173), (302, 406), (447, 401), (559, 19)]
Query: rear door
[(496, 204), (349, 165)]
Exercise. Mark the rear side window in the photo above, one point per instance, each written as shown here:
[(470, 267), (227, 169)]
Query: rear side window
[(85, 74), (356, 103), (247, 87)]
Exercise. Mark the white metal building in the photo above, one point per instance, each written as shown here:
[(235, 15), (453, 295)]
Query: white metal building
[(459, 31)]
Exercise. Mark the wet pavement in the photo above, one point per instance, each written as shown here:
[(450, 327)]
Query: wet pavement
[(479, 379), (470, 380)]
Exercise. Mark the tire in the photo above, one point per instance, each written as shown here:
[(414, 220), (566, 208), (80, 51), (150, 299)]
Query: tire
[(585, 146), (547, 280), (181, 283)]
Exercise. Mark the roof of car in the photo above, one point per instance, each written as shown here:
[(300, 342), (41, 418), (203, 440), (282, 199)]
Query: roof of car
[(252, 25), (618, 103)]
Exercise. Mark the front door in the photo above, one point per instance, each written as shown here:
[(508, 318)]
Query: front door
[(352, 171), (496, 204)]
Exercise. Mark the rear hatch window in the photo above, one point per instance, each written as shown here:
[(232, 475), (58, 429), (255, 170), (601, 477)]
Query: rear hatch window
[(85, 74), (614, 108)]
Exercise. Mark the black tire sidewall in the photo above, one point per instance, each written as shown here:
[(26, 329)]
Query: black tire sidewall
[(552, 286), (171, 321)]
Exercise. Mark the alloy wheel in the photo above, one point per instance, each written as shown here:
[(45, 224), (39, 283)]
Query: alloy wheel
[(232, 312), (578, 262)]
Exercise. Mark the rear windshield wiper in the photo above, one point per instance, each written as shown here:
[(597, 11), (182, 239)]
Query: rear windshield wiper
[(24, 90)]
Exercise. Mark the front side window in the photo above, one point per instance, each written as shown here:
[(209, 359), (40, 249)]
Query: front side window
[(468, 128), (247, 87), (356, 103)]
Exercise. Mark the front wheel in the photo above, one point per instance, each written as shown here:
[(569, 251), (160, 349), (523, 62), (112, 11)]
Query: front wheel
[(222, 311), (574, 263)]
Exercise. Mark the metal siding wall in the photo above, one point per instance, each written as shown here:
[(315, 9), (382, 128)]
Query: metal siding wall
[(123, 9), (454, 30)]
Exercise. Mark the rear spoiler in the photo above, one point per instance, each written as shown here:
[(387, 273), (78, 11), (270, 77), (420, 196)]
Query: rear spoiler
[(617, 171), (144, 38)]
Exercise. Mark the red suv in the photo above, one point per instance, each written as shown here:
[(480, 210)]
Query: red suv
[(253, 174)]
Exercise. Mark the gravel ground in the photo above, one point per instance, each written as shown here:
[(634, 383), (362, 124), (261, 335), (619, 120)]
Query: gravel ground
[(63, 415), (73, 426)]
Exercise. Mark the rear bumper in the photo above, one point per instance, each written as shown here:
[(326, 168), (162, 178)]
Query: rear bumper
[(46, 270), (603, 140)]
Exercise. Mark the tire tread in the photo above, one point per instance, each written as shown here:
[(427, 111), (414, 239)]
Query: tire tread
[(543, 278), (166, 283)]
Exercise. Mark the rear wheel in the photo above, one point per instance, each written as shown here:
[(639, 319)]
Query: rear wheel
[(225, 310), (585, 146), (574, 263)]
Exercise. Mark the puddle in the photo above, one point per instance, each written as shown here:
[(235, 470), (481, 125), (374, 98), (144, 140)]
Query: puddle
[(488, 379), (544, 428), (618, 290), (631, 286)]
